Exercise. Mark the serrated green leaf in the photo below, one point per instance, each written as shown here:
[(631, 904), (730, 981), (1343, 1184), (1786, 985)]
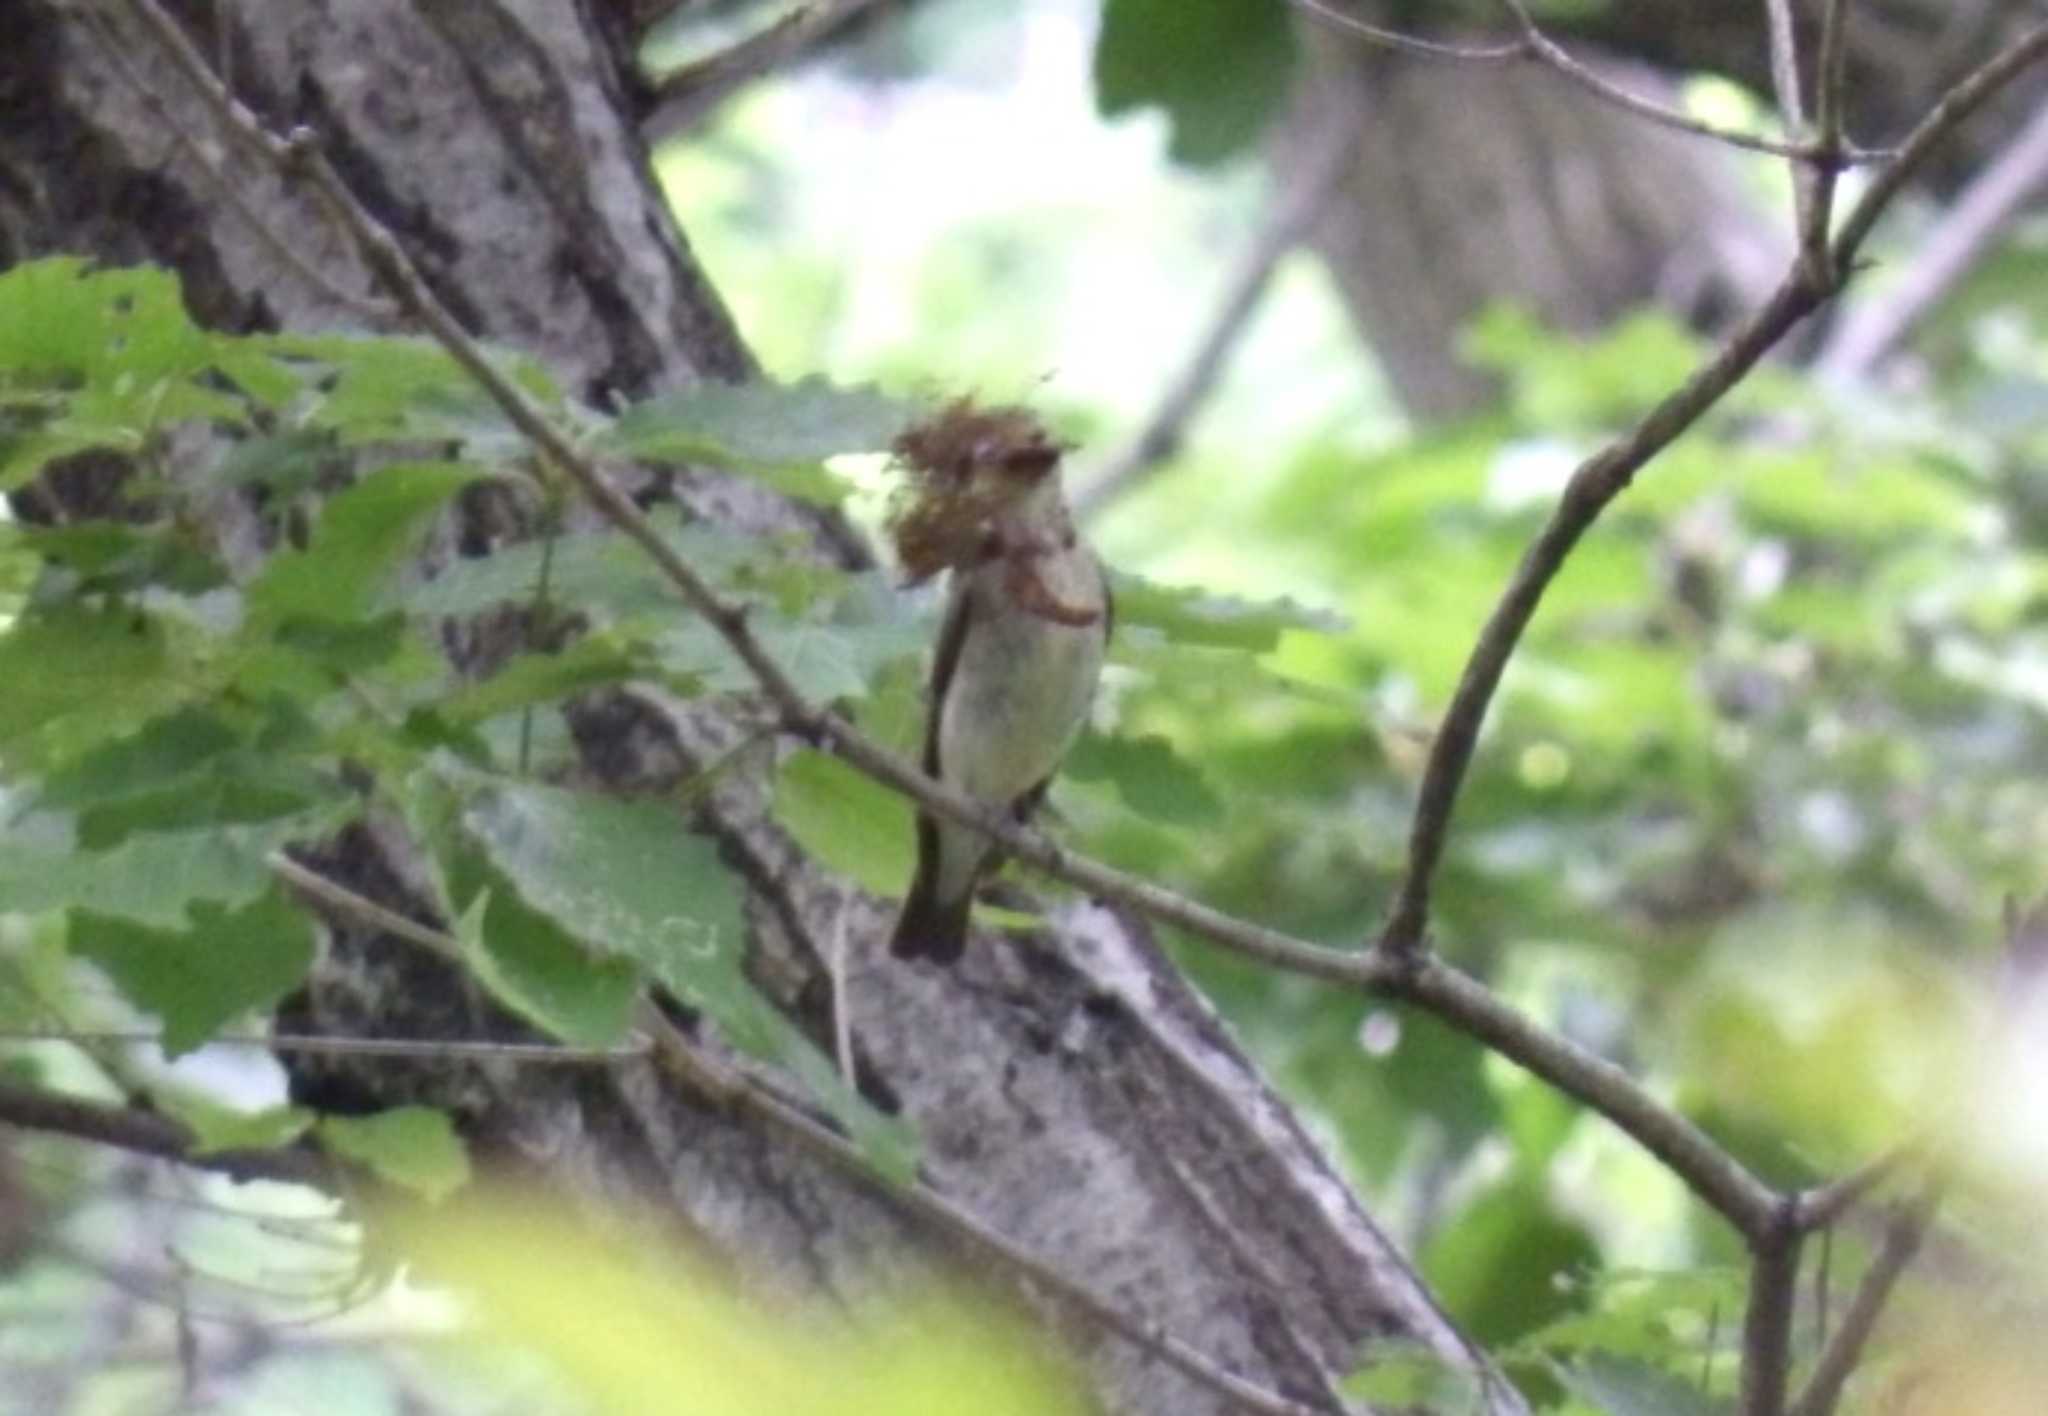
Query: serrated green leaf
[(116, 557), (285, 464), (165, 750), (384, 388), (72, 659), (195, 979), (627, 877), (600, 572), (1149, 776), (760, 425), (830, 655), (593, 661), (237, 791), (848, 822), (149, 878), (541, 972), (1192, 616), (1220, 69), (361, 537), (631, 881), (412, 1146)]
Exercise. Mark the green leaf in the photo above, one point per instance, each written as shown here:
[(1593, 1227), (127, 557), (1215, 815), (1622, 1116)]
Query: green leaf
[(541, 972), (361, 537), (526, 679), (600, 571), (518, 954), (625, 876), (116, 557), (1408, 1376), (227, 962), (167, 749), (848, 822), (412, 1146), (149, 878), (1149, 776), (1220, 69), (1497, 1270), (760, 425), (1624, 1388), (382, 388), (630, 880), (216, 1127), (238, 790), (72, 659), (1191, 616)]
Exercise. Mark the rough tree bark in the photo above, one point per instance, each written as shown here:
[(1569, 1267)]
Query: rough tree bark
[(1073, 1093)]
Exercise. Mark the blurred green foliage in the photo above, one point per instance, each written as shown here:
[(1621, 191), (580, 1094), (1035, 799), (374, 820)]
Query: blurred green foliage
[(1741, 820)]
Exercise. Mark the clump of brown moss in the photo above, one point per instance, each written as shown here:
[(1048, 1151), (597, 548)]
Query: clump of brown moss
[(962, 466)]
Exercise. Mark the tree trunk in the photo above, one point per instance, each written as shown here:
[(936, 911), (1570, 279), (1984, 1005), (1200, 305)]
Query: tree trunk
[(1075, 1095)]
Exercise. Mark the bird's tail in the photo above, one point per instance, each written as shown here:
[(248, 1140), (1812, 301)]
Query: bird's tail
[(932, 927)]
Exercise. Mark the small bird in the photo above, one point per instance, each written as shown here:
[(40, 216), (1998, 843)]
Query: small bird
[(1026, 627)]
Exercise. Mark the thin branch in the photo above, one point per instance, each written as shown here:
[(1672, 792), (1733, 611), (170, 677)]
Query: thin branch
[(1844, 1351), (153, 1134), (1817, 179), (1410, 44), (1830, 78), (1767, 1323), (1951, 112), (1785, 66), (1557, 57), (544, 1053), (1821, 1207), (1608, 473), (1535, 45), (684, 94), (1308, 192), (1807, 176), (1596, 483), (1871, 328)]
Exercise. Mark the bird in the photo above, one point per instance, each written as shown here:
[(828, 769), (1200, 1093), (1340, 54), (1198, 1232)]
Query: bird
[(1020, 648)]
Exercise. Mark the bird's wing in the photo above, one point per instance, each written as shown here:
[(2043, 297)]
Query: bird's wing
[(945, 659)]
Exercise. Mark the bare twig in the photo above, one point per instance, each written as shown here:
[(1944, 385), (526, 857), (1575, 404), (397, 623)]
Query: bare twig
[(1411, 44), (543, 1053), (1816, 179), (1812, 179), (1608, 473), (1767, 1323), (153, 1134), (1948, 114), (1872, 327), (1313, 182), (1821, 1207), (1844, 1351), (684, 94), (1785, 66), (1597, 482), (1557, 57)]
